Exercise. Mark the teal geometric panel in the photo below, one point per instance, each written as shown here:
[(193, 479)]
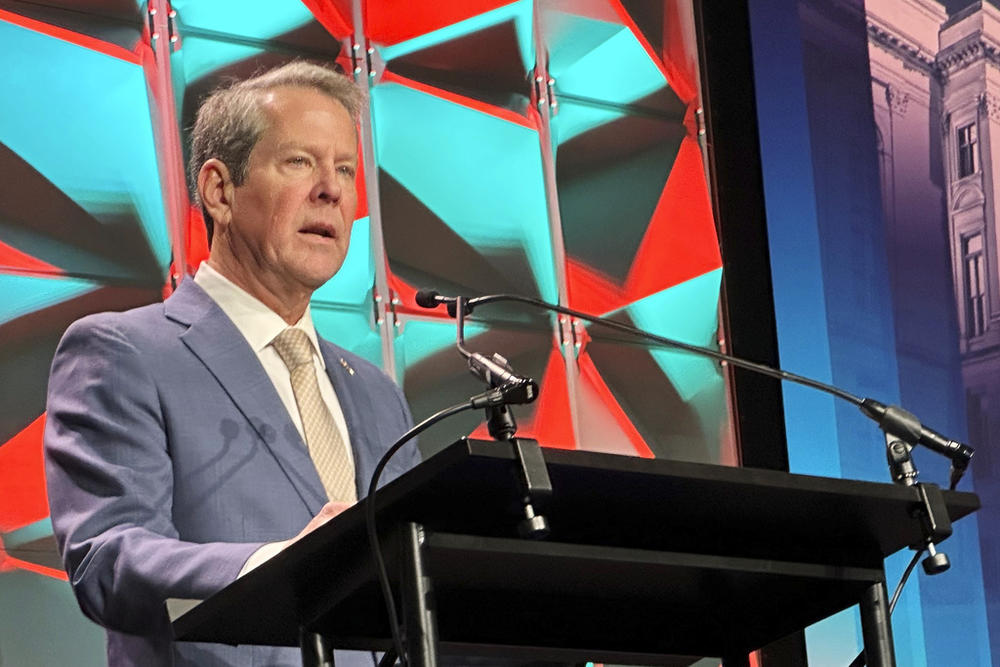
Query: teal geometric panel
[(26, 294), (476, 178), (82, 121)]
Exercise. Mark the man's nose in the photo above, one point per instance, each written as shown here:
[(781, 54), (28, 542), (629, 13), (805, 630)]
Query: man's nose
[(328, 187)]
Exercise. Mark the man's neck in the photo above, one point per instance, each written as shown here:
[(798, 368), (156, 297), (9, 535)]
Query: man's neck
[(289, 305)]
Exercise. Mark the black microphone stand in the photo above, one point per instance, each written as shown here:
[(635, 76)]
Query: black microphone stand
[(535, 487), (931, 512)]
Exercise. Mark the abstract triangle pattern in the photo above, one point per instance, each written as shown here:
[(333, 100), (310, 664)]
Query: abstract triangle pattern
[(22, 477)]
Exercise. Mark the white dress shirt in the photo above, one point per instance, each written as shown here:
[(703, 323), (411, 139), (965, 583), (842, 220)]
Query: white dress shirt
[(259, 325)]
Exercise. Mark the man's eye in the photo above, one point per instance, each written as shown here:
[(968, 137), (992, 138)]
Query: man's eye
[(298, 161), (346, 170)]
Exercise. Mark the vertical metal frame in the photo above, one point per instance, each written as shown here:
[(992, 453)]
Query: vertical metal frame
[(543, 100), (385, 301), (162, 39)]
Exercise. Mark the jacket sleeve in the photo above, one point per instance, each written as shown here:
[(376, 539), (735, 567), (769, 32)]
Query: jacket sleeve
[(411, 452), (110, 485)]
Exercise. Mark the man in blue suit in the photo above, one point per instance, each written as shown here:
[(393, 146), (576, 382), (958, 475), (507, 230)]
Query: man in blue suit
[(183, 445)]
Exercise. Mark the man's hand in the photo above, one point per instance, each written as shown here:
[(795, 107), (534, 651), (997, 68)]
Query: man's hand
[(330, 510), (272, 549)]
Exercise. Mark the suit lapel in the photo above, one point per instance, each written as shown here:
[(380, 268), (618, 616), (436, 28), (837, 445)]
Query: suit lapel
[(214, 339)]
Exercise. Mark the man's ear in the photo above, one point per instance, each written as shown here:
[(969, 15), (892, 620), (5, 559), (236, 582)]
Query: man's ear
[(215, 188)]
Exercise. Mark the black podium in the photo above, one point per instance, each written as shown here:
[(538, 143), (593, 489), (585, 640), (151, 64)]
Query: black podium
[(648, 561)]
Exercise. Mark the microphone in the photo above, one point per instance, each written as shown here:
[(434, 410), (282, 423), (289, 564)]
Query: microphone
[(897, 421), (891, 419), (430, 298)]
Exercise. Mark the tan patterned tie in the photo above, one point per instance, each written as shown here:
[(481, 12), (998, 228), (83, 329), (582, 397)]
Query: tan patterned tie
[(326, 446)]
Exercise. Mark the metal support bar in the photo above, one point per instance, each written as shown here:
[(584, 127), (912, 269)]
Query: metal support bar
[(316, 651), (418, 602), (875, 627)]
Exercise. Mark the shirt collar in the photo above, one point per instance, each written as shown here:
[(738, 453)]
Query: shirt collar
[(258, 323)]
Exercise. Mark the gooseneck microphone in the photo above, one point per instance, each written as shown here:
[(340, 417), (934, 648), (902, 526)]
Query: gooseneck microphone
[(495, 371), (892, 419)]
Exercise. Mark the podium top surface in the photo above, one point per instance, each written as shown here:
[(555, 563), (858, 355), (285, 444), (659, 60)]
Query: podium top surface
[(658, 504), (710, 522)]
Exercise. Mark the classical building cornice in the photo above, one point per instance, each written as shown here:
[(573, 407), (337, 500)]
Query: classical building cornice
[(968, 51), (912, 55)]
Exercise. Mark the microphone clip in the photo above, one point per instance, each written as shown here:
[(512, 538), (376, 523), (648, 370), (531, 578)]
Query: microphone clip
[(901, 466), (497, 373), (452, 307)]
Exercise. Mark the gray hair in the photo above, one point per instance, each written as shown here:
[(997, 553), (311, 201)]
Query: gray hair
[(230, 121)]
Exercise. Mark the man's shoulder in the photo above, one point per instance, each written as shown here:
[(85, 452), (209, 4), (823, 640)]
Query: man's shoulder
[(107, 347), (136, 325), (134, 319), (188, 304)]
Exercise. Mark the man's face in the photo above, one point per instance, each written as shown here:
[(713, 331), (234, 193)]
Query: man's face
[(292, 216)]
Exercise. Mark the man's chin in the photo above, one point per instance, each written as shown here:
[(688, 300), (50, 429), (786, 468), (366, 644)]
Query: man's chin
[(319, 277)]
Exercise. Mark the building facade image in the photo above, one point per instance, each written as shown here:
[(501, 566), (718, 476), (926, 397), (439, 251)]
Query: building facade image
[(936, 96)]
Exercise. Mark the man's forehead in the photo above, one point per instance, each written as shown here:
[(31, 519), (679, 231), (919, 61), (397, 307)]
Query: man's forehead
[(288, 117), (280, 98)]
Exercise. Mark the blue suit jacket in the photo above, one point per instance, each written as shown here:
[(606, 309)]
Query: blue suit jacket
[(170, 459)]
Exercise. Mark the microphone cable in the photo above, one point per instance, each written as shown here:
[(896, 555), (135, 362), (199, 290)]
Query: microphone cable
[(491, 397)]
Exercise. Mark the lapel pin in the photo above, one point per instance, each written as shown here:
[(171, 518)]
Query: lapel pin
[(346, 366)]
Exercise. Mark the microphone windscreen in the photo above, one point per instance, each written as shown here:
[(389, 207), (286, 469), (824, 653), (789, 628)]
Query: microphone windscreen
[(427, 298)]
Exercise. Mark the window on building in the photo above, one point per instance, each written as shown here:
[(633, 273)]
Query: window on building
[(967, 162), (975, 285)]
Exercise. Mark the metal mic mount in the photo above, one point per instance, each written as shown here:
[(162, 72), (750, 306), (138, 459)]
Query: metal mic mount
[(535, 487), (931, 512), (936, 525), (897, 421), (901, 468)]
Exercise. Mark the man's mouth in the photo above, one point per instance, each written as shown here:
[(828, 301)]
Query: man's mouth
[(325, 231)]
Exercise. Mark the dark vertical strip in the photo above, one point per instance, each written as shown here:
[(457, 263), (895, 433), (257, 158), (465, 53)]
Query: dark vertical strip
[(738, 193), (737, 188)]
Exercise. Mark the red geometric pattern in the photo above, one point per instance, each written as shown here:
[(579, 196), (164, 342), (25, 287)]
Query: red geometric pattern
[(393, 22), (12, 259), (22, 477), (670, 254)]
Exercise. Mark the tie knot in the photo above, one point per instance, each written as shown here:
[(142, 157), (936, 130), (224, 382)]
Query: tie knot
[(293, 346)]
